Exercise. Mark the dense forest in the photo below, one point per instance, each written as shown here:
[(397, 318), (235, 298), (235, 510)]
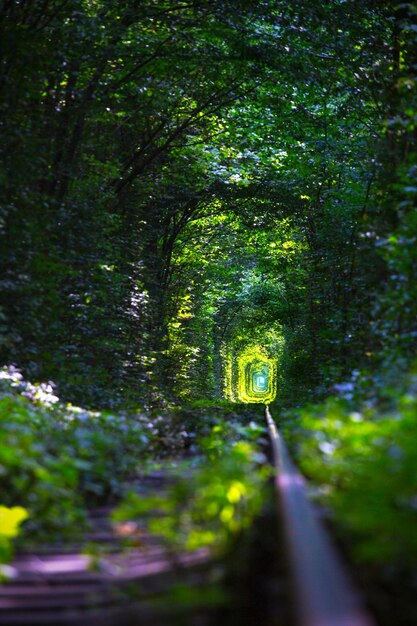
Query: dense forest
[(181, 180), (180, 175)]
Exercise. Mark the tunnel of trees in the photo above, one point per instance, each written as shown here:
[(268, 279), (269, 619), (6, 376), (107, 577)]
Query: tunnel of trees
[(182, 180), (177, 177)]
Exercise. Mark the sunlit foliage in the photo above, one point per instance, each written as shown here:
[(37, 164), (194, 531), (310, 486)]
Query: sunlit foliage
[(219, 498), (250, 376), (10, 520)]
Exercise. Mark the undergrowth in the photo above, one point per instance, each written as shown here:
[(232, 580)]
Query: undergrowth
[(358, 448), (57, 460), (214, 500)]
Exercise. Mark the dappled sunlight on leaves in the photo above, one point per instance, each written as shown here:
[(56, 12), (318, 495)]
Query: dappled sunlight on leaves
[(219, 498)]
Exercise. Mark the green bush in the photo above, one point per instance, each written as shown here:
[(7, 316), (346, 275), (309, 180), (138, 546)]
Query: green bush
[(10, 520), (361, 452), (210, 501), (54, 460)]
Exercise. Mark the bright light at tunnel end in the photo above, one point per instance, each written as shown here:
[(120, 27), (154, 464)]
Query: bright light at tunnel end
[(252, 376)]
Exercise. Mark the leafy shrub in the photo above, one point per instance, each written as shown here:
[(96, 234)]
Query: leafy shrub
[(212, 501), (56, 459), (10, 520), (361, 452)]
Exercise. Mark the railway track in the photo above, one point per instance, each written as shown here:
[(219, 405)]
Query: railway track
[(61, 585), (323, 593)]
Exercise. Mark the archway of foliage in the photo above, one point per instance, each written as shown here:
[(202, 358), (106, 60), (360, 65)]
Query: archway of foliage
[(228, 292), (243, 369), (125, 123)]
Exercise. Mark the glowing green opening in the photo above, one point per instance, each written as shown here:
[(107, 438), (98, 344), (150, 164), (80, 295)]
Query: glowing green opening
[(259, 383), (251, 377)]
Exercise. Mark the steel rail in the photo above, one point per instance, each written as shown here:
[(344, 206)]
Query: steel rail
[(323, 592)]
